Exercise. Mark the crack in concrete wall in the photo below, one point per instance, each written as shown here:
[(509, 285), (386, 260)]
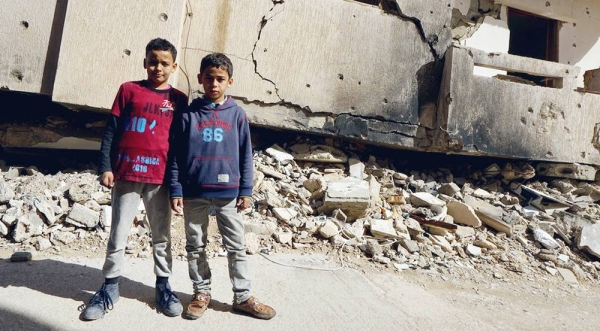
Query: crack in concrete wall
[(393, 8), (263, 23)]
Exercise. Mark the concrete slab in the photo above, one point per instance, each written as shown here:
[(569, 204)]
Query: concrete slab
[(99, 49)]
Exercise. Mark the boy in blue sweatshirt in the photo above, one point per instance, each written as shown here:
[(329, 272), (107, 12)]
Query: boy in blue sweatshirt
[(211, 167)]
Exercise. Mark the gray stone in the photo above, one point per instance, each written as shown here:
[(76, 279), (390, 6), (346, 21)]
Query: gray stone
[(64, 237), (106, 216), (464, 232), (424, 199), (252, 243), (81, 193), (286, 215), (568, 275), (315, 184), (410, 245), (463, 214), (383, 228), (6, 192), (373, 247), (356, 168), (83, 217), (12, 173), (589, 239), (21, 257), (279, 154), (351, 195), (449, 189), (42, 244), (45, 209), (283, 237), (473, 250), (328, 229), (3, 230)]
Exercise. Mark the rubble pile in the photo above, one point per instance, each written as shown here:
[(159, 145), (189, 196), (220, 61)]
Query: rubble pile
[(496, 220)]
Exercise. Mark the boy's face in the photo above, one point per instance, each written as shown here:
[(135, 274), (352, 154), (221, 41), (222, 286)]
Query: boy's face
[(159, 65), (215, 82)]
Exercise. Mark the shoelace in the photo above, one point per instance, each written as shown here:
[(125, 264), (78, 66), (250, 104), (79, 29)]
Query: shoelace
[(167, 297), (102, 298)]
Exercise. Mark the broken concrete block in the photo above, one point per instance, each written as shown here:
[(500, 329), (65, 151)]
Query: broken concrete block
[(64, 237), (283, 237), (449, 189), (6, 192), (463, 214), (81, 193), (383, 228), (3, 230), (464, 232), (482, 194), (45, 209), (356, 168), (473, 250), (489, 214), (252, 243), (285, 214), (42, 244), (318, 153), (545, 239), (26, 227), (351, 195), (279, 154), (83, 217), (424, 199), (315, 184), (373, 247), (328, 229), (589, 239), (410, 245), (568, 275)]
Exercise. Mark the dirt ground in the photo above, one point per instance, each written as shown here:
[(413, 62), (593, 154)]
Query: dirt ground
[(505, 300)]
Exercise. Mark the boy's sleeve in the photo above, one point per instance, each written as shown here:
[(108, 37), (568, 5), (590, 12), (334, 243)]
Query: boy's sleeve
[(246, 167), (106, 146), (111, 129), (175, 146)]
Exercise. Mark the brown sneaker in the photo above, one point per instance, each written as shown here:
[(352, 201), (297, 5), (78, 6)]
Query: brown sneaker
[(198, 306), (255, 308)]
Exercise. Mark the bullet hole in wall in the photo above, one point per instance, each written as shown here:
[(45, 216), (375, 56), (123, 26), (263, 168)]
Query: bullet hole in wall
[(17, 74), (25, 24), (163, 17)]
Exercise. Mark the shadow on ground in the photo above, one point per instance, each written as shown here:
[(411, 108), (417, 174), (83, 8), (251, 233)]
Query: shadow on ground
[(73, 281)]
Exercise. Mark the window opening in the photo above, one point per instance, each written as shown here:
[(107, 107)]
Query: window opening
[(535, 37)]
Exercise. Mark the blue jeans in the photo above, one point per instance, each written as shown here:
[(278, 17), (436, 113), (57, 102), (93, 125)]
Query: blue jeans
[(231, 226)]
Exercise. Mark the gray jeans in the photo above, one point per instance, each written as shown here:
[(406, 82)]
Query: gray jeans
[(126, 197), (231, 226)]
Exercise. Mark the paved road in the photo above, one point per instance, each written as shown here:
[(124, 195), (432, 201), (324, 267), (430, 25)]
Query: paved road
[(45, 294)]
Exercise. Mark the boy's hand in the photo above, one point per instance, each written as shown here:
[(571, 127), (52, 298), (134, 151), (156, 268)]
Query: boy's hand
[(242, 203), (107, 179), (177, 205)]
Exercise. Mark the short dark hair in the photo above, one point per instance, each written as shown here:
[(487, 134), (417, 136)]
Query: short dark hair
[(159, 44), (217, 60)]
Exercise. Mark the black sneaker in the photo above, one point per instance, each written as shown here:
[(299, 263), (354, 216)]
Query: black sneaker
[(166, 301), (101, 302)]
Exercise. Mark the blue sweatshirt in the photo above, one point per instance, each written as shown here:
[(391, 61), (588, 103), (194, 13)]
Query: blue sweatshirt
[(211, 152)]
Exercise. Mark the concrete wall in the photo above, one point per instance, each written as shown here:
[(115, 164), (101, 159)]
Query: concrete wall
[(103, 45), (31, 37), (579, 42), (337, 67), (488, 116)]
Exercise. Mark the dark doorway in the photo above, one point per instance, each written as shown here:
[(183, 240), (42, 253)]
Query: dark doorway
[(533, 36)]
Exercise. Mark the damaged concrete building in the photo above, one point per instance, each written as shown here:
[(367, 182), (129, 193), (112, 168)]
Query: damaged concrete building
[(490, 77)]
